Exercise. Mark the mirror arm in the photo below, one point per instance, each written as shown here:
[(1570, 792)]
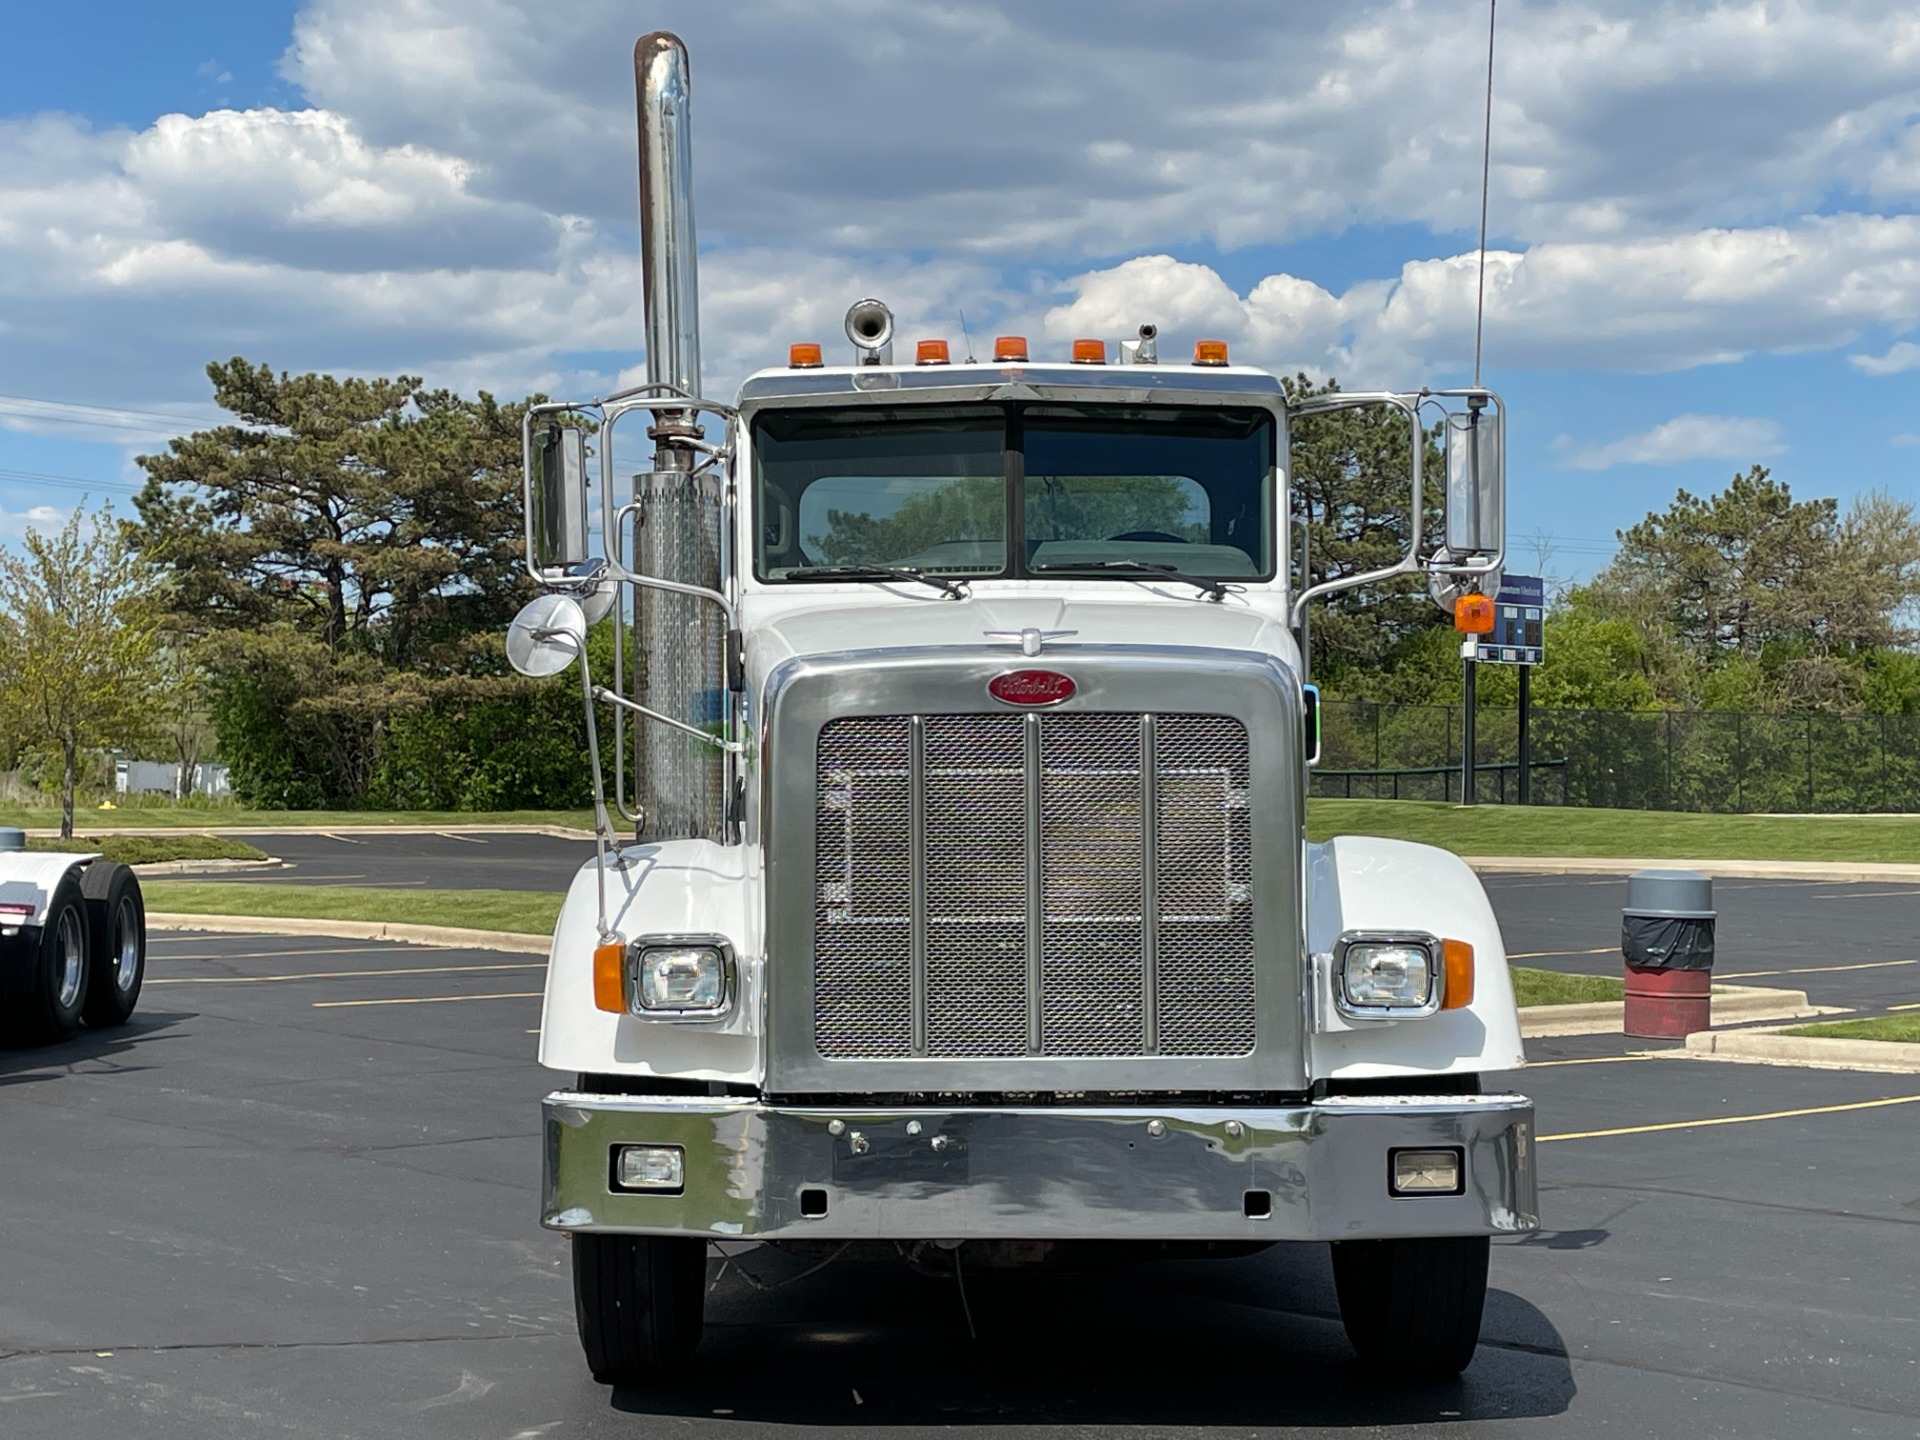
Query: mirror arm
[(731, 747), (603, 840)]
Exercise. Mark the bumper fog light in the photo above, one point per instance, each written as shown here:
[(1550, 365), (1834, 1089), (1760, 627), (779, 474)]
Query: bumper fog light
[(649, 1167), (1387, 975), (1426, 1172), (684, 979)]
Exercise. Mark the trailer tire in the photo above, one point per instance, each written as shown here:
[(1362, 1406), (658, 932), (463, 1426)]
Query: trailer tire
[(52, 1010), (640, 1302), (1413, 1306), (117, 931)]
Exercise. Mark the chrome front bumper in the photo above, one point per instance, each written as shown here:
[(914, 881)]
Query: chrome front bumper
[(1318, 1171)]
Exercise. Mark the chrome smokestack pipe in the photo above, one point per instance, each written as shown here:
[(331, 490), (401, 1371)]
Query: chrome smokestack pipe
[(669, 267), (679, 667)]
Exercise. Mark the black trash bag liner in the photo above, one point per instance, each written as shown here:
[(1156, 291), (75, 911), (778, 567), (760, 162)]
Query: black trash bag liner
[(1667, 942)]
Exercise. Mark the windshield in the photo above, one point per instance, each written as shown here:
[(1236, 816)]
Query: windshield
[(1015, 490)]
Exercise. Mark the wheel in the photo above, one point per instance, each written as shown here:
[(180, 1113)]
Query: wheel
[(640, 1301), (52, 1011), (117, 927), (1413, 1307)]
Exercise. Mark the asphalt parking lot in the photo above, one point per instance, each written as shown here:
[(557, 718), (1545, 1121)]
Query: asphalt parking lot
[(297, 1196), (416, 860)]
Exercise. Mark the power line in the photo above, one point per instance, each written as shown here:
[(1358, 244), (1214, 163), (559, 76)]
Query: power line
[(170, 417)]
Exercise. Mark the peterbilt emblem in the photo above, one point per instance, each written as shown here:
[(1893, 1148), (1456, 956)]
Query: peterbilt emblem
[(1031, 687)]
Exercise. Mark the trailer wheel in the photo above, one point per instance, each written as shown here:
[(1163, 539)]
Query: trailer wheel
[(640, 1301), (117, 925), (1412, 1307), (52, 1011)]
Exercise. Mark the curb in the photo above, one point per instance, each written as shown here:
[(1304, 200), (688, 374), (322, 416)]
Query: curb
[(208, 867), (1831, 870), (443, 935), (1731, 1005), (1889, 1057)]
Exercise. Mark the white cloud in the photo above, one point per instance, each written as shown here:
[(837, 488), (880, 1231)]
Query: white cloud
[(1905, 440), (34, 517), (1905, 355), (1676, 441)]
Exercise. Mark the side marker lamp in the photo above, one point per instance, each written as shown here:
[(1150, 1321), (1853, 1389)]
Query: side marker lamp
[(609, 977), (1473, 614), (1456, 958), (1426, 1172)]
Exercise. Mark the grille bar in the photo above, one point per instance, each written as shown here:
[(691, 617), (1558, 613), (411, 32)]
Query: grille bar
[(1067, 884)]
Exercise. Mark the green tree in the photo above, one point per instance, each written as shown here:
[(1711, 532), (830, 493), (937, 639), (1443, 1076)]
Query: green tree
[(80, 633), (1352, 497)]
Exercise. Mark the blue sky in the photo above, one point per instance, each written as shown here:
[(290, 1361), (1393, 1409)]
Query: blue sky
[(1706, 219)]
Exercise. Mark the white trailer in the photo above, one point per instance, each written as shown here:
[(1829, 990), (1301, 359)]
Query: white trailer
[(73, 941), (960, 720)]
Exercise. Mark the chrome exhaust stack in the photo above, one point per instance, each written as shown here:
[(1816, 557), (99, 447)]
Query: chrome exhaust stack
[(680, 641)]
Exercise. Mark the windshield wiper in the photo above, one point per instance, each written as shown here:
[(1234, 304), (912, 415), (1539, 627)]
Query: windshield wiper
[(1213, 589), (954, 589)]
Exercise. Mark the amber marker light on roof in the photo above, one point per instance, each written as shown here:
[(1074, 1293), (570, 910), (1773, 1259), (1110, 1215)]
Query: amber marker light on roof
[(1089, 352), (1010, 347), (931, 352), (803, 357), (1209, 352)]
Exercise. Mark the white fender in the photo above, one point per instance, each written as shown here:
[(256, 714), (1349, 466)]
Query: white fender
[(676, 887), (29, 877), (1362, 883)]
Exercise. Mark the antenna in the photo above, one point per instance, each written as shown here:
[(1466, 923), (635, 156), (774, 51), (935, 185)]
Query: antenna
[(1486, 164), (968, 338)]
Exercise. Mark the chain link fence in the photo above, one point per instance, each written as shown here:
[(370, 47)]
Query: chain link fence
[(1730, 762)]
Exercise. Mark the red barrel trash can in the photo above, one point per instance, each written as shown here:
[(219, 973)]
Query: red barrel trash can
[(1666, 938)]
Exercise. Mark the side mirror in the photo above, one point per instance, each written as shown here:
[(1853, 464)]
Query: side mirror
[(1476, 481), (559, 491), (547, 636)]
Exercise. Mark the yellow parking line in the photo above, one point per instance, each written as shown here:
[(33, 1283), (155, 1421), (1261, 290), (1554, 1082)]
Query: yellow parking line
[(1732, 1119), (423, 1000), (343, 974), (1549, 954), (1815, 969)]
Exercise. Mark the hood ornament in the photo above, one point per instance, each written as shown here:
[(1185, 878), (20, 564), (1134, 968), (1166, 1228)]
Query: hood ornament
[(1030, 640)]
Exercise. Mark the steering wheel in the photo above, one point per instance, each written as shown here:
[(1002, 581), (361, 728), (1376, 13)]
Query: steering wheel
[(1159, 535)]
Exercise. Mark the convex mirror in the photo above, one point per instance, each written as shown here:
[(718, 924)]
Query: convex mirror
[(547, 636)]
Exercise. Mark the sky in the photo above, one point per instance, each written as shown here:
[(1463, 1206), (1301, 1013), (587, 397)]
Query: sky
[(1704, 220)]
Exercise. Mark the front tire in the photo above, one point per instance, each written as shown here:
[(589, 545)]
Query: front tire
[(640, 1302), (117, 927), (52, 1010), (1412, 1307)]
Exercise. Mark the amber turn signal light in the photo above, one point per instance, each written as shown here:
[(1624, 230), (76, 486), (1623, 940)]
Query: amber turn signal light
[(930, 352), (804, 357), (610, 977), (1457, 957), (1473, 615), (1209, 352), (1010, 347)]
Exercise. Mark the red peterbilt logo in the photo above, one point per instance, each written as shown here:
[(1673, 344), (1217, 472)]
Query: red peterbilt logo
[(1031, 687)]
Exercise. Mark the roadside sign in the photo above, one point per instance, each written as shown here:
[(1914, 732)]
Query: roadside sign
[(1519, 610)]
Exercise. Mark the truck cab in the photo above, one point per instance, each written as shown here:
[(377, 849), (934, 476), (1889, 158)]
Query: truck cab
[(960, 717)]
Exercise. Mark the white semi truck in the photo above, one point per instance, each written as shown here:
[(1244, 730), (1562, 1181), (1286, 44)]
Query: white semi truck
[(73, 941), (957, 712)]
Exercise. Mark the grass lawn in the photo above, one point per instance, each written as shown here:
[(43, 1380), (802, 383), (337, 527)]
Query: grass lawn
[(519, 912), (1874, 1027), (222, 817), (151, 849), (1550, 987), (1551, 830)]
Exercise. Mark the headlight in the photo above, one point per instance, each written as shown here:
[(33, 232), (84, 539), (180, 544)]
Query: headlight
[(680, 977), (1381, 976)]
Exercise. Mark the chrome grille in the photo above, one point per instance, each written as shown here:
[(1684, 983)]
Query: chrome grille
[(1059, 884)]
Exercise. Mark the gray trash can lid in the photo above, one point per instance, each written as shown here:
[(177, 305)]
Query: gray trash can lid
[(12, 839), (1670, 894)]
